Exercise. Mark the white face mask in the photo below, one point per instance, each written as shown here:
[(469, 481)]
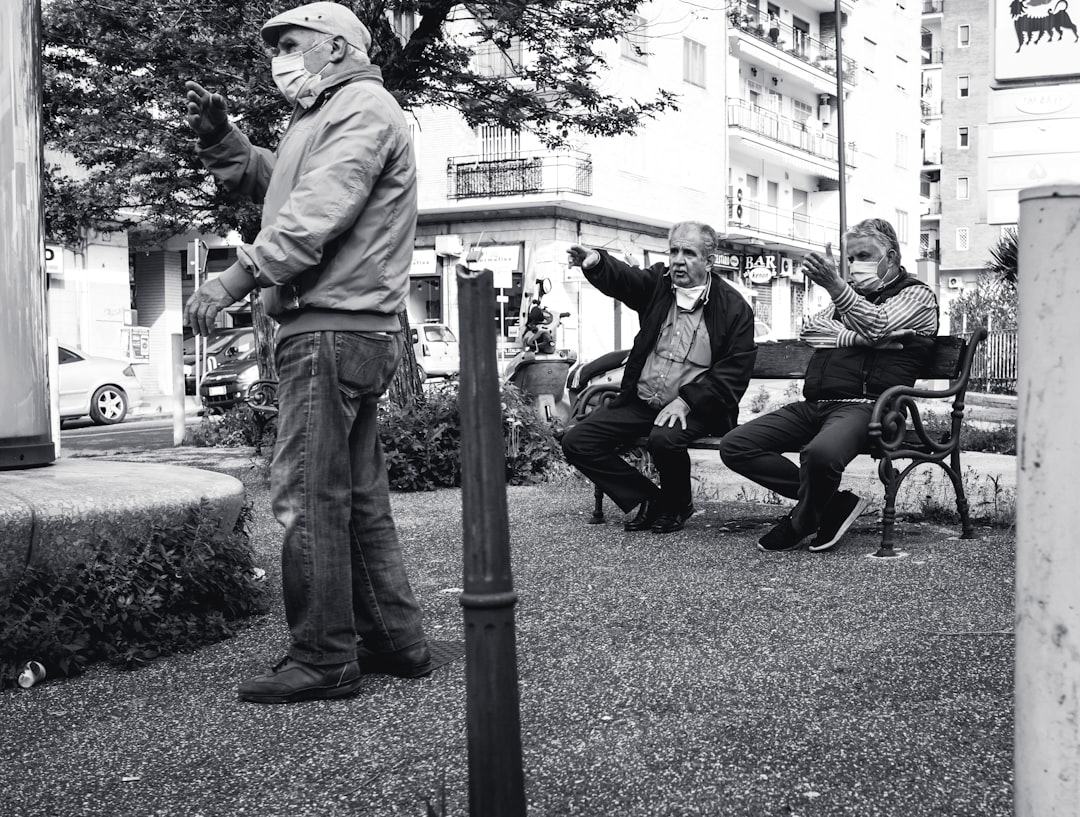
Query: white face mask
[(864, 276), (686, 298), (291, 75)]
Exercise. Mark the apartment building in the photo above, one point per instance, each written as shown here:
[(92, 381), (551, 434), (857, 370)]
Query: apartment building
[(754, 150), (1001, 112)]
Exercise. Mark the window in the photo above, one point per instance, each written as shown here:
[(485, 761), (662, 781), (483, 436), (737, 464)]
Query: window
[(404, 24), (963, 36), (752, 187), (962, 137), (962, 188), (632, 43), (693, 62), (901, 150), (492, 61), (772, 194), (800, 110), (962, 239), (962, 86), (498, 143), (901, 226), (869, 49)]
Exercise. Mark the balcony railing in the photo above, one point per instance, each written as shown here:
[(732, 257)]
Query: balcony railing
[(935, 57), (774, 222), (929, 255), (933, 6), (566, 171), (754, 118), (930, 107), (931, 157), (792, 41), (933, 207)]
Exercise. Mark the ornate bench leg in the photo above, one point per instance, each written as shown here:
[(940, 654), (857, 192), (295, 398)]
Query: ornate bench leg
[(890, 478), (967, 530), (597, 517)]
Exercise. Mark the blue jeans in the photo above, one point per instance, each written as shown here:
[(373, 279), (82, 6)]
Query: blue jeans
[(342, 570)]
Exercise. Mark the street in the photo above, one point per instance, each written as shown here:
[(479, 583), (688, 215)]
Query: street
[(81, 436)]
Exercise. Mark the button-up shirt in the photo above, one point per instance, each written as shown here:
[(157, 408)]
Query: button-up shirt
[(682, 354)]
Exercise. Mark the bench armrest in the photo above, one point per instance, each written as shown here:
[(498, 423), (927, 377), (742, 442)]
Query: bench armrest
[(262, 396)]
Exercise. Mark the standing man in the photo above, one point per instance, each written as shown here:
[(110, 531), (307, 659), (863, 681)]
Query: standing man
[(878, 333), (332, 263), (688, 369)]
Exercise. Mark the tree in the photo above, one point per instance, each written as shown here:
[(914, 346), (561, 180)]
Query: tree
[(114, 72), (1004, 257), (993, 302)]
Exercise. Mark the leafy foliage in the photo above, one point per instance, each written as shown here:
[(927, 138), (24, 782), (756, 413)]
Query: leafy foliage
[(1005, 257), (994, 301), (114, 72), (421, 438), (185, 586)]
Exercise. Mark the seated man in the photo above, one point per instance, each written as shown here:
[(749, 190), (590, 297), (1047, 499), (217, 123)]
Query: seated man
[(877, 333), (686, 372)]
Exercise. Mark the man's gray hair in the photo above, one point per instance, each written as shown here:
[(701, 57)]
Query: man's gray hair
[(709, 240), (878, 230)]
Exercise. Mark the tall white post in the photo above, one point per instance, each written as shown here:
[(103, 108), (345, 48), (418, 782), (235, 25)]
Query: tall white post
[(1047, 733), (25, 428)]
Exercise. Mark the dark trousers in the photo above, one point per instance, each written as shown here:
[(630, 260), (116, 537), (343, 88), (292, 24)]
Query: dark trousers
[(591, 445), (827, 436)]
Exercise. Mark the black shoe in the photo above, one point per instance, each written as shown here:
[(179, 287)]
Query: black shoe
[(291, 680), (843, 509), (410, 662), (645, 518), (671, 522), (781, 538)]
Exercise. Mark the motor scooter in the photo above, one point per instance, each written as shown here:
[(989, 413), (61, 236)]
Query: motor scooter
[(540, 368)]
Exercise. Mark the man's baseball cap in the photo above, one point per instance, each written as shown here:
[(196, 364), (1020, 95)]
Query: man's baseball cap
[(329, 18)]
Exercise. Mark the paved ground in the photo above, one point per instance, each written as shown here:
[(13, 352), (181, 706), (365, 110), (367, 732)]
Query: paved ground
[(659, 675)]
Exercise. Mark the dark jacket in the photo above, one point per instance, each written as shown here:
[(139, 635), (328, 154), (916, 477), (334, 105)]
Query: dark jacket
[(863, 371), (728, 317)]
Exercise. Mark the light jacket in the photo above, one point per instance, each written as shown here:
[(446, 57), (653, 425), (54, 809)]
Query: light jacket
[(730, 321), (339, 208)]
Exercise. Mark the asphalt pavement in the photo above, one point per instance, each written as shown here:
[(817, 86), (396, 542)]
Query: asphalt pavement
[(687, 674)]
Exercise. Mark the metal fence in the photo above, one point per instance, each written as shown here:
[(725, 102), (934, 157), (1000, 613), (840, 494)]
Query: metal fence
[(564, 171), (993, 369)]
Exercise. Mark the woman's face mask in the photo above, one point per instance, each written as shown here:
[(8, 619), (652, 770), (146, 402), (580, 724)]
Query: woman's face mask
[(291, 75)]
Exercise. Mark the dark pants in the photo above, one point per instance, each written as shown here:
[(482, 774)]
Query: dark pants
[(591, 445), (827, 436)]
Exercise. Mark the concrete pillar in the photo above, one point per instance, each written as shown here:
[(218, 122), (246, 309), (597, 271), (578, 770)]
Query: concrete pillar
[(25, 429), (1047, 733)]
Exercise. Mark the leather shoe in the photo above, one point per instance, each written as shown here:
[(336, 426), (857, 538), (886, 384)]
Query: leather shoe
[(671, 522), (645, 518), (410, 662), (291, 680)]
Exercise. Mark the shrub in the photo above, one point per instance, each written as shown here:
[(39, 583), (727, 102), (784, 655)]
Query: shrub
[(422, 439), (187, 585), (235, 427), (998, 439)]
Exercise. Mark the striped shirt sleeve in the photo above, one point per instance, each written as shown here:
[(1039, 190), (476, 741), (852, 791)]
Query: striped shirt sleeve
[(914, 308)]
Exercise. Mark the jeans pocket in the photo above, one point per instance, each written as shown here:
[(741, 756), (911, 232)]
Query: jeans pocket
[(366, 361)]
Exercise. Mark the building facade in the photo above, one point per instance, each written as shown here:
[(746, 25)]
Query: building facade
[(1001, 112)]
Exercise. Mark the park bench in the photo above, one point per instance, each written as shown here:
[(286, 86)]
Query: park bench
[(897, 431)]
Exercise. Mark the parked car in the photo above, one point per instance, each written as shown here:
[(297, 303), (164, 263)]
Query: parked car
[(227, 385), (222, 345), (102, 387), (436, 350)]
